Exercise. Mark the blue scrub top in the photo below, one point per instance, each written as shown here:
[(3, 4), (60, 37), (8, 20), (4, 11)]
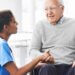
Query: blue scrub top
[(3, 71), (5, 52)]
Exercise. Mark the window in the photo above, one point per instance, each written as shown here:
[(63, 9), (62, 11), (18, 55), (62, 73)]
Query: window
[(32, 11)]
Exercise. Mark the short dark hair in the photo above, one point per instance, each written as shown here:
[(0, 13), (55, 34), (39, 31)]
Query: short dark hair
[(5, 18)]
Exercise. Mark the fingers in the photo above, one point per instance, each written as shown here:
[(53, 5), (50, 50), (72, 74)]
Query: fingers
[(73, 65), (50, 59), (48, 52), (47, 57)]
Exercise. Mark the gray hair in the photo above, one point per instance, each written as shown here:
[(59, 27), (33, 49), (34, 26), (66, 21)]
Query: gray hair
[(61, 2)]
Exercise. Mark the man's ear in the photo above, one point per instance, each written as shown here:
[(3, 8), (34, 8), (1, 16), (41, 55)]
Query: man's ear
[(63, 8)]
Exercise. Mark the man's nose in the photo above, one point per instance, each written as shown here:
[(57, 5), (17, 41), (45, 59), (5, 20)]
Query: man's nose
[(49, 11)]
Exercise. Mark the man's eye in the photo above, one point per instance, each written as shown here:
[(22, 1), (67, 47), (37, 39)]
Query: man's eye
[(46, 9), (14, 21)]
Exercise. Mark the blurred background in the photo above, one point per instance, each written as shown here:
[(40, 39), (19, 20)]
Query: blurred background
[(27, 14)]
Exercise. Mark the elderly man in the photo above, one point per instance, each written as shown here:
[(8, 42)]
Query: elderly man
[(55, 34)]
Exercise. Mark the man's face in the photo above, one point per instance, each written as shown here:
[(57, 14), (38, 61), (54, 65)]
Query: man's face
[(53, 10)]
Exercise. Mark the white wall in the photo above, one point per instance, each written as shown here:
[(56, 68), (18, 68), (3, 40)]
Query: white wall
[(69, 10), (14, 6)]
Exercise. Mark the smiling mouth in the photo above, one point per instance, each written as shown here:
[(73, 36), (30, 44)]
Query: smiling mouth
[(51, 16)]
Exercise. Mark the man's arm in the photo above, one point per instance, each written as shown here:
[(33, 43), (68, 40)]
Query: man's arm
[(36, 41), (36, 44)]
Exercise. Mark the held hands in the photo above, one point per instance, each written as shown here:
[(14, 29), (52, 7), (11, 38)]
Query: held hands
[(47, 58)]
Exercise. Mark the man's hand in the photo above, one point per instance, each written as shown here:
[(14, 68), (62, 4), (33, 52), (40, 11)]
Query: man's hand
[(50, 59), (45, 55), (47, 58), (73, 65)]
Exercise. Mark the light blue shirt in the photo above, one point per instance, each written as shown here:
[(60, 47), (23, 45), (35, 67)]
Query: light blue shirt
[(5, 52)]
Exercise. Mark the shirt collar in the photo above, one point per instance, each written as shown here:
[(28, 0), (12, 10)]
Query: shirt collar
[(61, 20)]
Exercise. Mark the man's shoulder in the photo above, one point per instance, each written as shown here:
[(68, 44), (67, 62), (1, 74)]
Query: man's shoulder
[(70, 22), (69, 19), (41, 23)]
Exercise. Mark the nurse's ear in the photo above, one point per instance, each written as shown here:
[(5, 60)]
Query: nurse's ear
[(5, 28)]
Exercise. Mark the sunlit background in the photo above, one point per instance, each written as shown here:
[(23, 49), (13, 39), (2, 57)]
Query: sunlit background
[(27, 14)]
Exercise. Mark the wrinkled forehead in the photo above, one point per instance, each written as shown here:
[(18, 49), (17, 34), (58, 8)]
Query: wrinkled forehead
[(53, 2)]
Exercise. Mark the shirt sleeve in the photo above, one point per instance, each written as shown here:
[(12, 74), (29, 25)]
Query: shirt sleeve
[(5, 54), (36, 42)]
